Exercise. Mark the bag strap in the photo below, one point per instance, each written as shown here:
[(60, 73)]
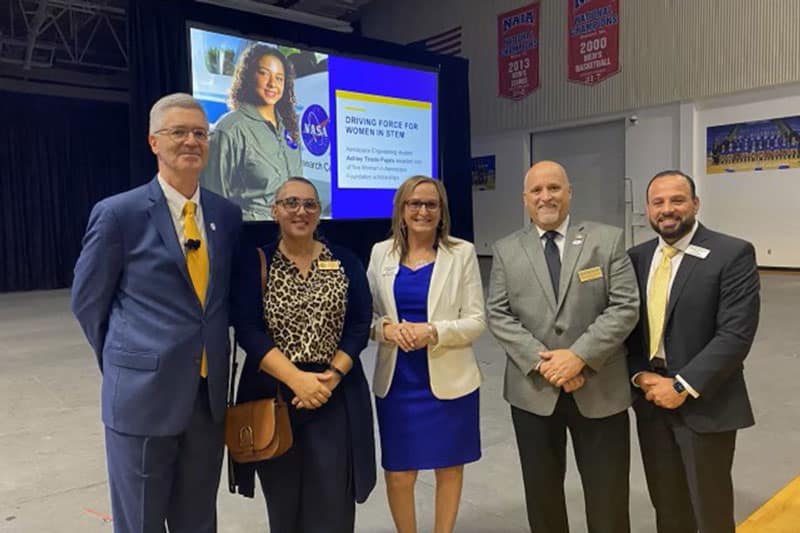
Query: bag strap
[(263, 260), (234, 364), (232, 483)]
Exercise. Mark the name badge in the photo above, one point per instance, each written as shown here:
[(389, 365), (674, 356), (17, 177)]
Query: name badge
[(589, 274), (697, 251), (328, 265)]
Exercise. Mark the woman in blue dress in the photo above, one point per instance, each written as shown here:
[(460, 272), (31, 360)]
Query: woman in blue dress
[(427, 311)]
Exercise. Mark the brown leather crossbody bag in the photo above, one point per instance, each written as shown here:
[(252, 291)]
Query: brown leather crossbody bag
[(257, 430)]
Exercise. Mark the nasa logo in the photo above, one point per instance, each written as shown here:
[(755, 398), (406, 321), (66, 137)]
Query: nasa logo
[(289, 141), (315, 129)]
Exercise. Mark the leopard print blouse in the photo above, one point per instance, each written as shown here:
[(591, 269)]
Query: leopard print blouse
[(305, 315)]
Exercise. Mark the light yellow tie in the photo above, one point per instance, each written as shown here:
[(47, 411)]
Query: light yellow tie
[(197, 263), (657, 297)]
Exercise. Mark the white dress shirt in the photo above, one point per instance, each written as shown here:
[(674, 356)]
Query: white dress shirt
[(681, 245), (175, 202), (560, 238)]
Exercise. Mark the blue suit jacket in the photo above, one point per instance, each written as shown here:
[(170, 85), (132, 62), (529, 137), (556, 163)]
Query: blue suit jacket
[(136, 304)]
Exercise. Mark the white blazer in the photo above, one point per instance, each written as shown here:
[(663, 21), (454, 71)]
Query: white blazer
[(455, 308)]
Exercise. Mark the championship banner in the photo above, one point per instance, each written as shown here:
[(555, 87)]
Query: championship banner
[(518, 52), (593, 40)]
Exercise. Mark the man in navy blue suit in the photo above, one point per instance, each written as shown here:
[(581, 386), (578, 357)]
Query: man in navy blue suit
[(151, 294)]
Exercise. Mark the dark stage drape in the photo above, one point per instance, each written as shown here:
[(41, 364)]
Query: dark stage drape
[(58, 156), (159, 62)]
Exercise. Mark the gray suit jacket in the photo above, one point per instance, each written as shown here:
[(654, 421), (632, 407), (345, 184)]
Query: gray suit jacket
[(591, 317)]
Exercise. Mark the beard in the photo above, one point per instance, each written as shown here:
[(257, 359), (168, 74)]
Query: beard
[(672, 235)]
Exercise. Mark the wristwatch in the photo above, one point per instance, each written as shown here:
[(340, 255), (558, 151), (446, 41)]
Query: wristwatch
[(678, 386), (336, 370)]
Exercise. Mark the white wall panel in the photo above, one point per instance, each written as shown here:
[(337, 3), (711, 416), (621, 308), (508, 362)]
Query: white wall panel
[(671, 51)]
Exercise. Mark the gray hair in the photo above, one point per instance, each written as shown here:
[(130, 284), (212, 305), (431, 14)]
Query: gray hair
[(165, 103)]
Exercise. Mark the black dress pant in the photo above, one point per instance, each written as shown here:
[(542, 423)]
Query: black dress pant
[(688, 473), (309, 489), (602, 453)]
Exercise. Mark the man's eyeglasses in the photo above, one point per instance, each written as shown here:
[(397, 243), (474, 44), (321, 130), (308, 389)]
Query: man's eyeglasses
[(179, 135), (293, 204), (416, 205)]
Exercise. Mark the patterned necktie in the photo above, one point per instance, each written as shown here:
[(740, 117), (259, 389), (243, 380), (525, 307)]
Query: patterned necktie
[(657, 297), (553, 259), (196, 263)]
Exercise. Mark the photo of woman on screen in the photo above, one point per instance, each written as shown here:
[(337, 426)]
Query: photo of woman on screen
[(255, 147)]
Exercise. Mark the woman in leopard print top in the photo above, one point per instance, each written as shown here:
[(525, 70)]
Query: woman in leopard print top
[(305, 334)]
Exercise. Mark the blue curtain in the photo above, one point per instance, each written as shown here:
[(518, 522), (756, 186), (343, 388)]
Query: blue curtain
[(58, 156)]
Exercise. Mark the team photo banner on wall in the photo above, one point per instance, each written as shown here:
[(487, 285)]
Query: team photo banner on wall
[(770, 144), (592, 40), (518, 52)]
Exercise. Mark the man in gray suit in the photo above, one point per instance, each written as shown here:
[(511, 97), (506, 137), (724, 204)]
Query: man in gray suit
[(562, 299)]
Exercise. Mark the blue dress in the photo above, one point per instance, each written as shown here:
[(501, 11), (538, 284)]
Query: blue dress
[(419, 431)]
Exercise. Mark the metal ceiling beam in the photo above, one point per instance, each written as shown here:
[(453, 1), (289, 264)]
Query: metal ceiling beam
[(251, 6), (90, 8), (33, 31), (74, 35), (62, 76)]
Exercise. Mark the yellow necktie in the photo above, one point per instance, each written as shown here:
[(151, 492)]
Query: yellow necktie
[(657, 297), (197, 264)]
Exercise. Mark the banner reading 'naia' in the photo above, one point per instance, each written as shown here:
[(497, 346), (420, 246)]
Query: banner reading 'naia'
[(518, 52), (593, 40)]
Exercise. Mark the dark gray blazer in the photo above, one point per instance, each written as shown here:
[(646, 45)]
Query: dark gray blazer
[(711, 320)]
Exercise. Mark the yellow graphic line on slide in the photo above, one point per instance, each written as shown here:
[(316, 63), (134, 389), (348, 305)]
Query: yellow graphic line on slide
[(780, 514), (364, 97)]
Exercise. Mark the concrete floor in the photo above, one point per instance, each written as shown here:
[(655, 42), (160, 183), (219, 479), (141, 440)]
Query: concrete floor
[(52, 469)]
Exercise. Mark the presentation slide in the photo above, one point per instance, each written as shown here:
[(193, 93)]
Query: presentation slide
[(381, 141), (356, 128)]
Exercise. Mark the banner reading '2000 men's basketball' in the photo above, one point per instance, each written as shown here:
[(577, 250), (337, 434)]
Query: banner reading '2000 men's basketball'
[(593, 40), (518, 52)]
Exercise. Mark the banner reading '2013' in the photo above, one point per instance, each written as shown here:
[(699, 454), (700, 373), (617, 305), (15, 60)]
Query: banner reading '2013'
[(593, 40), (518, 52)]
